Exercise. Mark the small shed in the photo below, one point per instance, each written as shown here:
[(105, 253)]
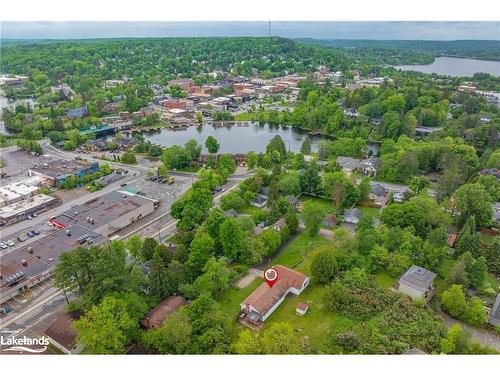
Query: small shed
[(302, 308)]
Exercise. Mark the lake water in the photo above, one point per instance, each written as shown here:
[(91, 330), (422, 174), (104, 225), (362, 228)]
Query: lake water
[(456, 67), (234, 139), (7, 102)]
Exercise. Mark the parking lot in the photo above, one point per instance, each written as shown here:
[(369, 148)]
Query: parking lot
[(18, 162), (43, 229)]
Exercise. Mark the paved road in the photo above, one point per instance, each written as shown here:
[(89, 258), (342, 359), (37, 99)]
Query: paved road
[(485, 338)]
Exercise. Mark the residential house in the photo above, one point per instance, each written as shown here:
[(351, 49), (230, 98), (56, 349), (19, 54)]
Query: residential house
[(231, 213), (279, 225), (294, 202), (329, 221), (378, 193), (156, 317), (261, 303), (62, 335), (496, 212), (77, 112), (257, 230), (494, 318), (259, 201), (417, 283), (369, 167), (353, 215), (348, 164), (398, 197)]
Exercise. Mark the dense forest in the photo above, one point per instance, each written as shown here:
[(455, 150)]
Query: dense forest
[(476, 49)]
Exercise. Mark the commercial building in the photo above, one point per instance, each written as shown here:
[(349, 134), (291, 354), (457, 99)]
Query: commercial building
[(21, 210), (29, 265), (107, 214), (56, 172), (17, 191)]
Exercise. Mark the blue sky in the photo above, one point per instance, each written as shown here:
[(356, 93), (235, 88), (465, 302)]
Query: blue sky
[(320, 30)]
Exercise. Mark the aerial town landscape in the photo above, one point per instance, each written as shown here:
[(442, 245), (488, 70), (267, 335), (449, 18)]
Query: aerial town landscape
[(249, 195)]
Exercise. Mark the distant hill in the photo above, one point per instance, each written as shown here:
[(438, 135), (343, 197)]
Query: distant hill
[(476, 49)]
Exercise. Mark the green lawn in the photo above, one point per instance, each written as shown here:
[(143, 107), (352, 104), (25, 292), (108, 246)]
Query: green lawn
[(246, 116), (230, 303), (326, 204), (315, 324), (384, 280), (371, 211), (295, 252), (485, 239)]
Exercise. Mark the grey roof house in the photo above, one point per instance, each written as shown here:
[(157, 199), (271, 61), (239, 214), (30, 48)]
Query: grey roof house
[(353, 215), (494, 318), (417, 282), (77, 112), (348, 164), (369, 166)]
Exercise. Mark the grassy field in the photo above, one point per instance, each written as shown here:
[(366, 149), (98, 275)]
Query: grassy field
[(296, 250), (327, 205), (246, 116), (371, 211), (318, 320), (485, 239), (230, 304), (384, 280)]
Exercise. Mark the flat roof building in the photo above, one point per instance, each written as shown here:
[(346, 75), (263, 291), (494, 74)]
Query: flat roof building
[(58, 170), (37, 260), (22, 209), (107, 214)]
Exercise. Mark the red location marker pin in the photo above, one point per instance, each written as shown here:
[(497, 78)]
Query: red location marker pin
[(270, 275)]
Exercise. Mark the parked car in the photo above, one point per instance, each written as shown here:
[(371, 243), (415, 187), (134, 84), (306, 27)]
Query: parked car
[(21, 239), (34, 214), (36, 232), (10, 243), (30, 234), (3, 246), (5, 309), (30, 217)]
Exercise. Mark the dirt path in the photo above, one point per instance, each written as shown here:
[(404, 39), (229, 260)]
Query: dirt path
[(245, 281)]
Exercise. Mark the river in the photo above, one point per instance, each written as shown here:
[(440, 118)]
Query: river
[(456, 67)]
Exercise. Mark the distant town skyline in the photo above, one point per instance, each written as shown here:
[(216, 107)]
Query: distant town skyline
[(319, 30)]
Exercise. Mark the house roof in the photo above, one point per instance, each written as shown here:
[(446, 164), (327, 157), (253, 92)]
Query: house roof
[(292, 200), (347, 162), (370, 162), (281, 223), (353, 212), (257, 230), (302, 306), (264, 297), (379, 190), (330, 218), (62, 331), (156, 317), (414, 351), (418, 278), (231, 213), (451, 239)]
